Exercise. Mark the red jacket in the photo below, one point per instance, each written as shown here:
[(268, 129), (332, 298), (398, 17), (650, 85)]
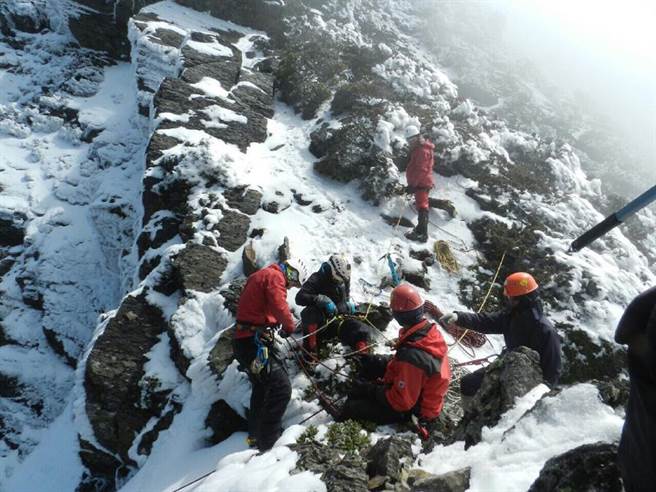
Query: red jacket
[(419, 172), (263, 302), (418, 375)]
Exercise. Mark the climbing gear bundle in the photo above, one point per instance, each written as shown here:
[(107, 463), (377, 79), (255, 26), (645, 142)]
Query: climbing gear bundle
[(445, 257)]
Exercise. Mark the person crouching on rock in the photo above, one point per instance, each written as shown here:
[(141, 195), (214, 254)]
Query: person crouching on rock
[(411, 382), (419, 175), (263, 306), (325, 295), (522, 323), (637, 451)]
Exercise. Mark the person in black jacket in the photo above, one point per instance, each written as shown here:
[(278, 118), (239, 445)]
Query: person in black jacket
[(523, 323), (325, 295), (637, 451)]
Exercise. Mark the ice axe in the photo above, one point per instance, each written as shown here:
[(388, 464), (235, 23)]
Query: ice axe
[(613, 220)]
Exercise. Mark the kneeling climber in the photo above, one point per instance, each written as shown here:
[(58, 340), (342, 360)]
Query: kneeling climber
[(262, 307), (413, 381), (522, 323), (326, 294)]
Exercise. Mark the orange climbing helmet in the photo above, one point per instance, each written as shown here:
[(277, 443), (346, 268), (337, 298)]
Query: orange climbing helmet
[(519, 284), (405, 298)]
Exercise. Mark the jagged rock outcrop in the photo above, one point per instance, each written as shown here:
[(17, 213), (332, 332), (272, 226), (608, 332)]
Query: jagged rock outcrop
[(102, 25), (509, 377), (455, 481), (198, 267), (340, 472), (388, 457), (221, 354), (588, 468), (113, 375)]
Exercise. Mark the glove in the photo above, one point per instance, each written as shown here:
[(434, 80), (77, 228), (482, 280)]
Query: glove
[(346, 307), (410, 190), (449, 318), (326, 304)]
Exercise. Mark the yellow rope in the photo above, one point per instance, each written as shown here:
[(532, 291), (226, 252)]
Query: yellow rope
[(445, 256), (489, 290)]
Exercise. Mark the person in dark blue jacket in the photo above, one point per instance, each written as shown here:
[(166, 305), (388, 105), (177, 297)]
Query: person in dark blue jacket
[(523, 323), (637, 451), (326, 294)]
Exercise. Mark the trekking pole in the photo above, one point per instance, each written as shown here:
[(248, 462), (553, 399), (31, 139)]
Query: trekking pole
[(613, 220)]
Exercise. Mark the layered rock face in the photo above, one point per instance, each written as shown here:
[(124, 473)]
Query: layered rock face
[(192, 79)]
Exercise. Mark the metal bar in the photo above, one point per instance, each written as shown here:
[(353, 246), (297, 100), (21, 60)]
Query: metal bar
[(613, 220)]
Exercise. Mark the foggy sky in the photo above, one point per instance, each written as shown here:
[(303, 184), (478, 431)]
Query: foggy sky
[(605, 51)]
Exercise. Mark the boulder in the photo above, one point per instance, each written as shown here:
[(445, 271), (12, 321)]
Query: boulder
[(509, 377), (114, 370), (222, 354), (446, 205), (455, 481), (416, 277), (249, 259), (340, 472), (613, 392), (397, 221), (588, 468), (284, 250), (199, 268), (233, 230), (245, 200), (224, 422), (378, 315), (231, 294), (387, 457)]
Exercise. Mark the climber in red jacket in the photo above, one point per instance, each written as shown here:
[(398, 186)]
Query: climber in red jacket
[(262, 307), (419, 174), (411, 382)]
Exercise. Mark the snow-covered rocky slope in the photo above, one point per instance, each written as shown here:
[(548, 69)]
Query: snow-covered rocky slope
[(130, 191)]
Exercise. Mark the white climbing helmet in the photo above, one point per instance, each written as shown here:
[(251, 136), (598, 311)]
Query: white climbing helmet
[(296, 271), (411, 132), (340, 268)]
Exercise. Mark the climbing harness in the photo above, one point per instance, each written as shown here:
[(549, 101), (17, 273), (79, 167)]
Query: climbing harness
[(261, 361)]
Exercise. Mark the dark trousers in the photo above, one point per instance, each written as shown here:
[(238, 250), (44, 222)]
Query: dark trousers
[(350, 331), (270, 395), (373, 408), (471, 383)]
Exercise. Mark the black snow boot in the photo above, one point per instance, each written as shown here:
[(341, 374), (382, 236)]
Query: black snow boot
[(420, 233)]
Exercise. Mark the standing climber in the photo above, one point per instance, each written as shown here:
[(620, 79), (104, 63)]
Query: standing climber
[(522, 323), (262, 307), (326, 294), (419, 174), (411, 382), (637, 451)]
